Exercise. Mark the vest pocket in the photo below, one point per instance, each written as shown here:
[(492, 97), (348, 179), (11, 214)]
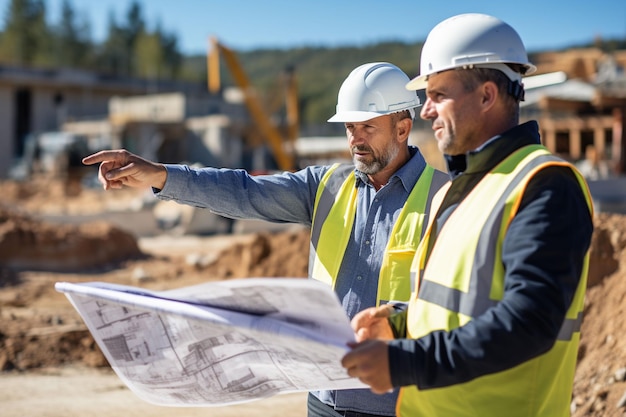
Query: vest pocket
[(395, 282)]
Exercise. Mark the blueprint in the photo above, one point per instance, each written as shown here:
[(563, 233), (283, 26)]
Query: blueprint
[(219, 343)]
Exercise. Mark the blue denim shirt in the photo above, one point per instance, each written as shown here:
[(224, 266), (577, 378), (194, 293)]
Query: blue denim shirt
[(290, 197)]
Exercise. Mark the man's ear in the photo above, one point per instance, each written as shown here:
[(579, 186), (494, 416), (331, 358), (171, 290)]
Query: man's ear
[(490, 95), (403, 128)]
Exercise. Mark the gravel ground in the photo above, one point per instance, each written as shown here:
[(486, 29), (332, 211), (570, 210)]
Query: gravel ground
[(88, 392)]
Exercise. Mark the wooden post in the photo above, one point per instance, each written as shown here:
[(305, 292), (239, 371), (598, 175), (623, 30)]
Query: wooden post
[(619, 152), (550, 138), (599, 141), (575, 143)]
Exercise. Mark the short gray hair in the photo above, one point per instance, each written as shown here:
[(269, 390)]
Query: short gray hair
[(401, 115), (474, 77)]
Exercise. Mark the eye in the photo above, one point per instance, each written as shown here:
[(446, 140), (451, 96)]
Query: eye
[(436, 96), (369, 127)]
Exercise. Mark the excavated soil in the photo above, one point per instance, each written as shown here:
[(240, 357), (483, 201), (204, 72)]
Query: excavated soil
[(39, 329)]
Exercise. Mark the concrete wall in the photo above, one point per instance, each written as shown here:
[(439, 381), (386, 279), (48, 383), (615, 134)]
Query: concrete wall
[(7, 120), (215, 135), (43, 111), (155, 108), (50, 107)]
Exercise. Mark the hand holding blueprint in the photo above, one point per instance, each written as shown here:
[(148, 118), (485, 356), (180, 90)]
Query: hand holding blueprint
[(219, 343)]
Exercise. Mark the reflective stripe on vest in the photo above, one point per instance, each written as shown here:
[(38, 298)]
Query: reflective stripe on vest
[(333, 218), (332, 193), (453, 293)]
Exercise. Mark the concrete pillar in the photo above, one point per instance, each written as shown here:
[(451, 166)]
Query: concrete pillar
[(619, 153), (599, 141), (575, 143), (549, 139)]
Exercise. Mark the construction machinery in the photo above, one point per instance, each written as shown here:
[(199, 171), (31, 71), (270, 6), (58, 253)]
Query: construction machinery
[(55, 154), (282, 144)]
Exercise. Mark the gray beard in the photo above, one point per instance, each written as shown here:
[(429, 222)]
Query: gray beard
[(379, 162), (369, 169)]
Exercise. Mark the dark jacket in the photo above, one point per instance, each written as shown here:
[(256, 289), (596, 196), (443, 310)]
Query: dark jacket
[(547, 239)]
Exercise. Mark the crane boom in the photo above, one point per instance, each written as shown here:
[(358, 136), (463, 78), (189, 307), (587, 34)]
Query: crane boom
[(284, 158)]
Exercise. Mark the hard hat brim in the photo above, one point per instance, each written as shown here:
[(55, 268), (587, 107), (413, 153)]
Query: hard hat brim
[(354, 116), (421, 81), (418, 83)]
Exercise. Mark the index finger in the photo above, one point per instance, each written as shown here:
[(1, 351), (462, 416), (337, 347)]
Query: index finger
[(103, 156), (384, 311), (369, 316), (349, 360)]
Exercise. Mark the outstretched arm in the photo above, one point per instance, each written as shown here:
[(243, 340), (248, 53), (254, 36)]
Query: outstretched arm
[(120, 167)]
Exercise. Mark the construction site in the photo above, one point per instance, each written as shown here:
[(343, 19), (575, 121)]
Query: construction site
[(57, 224)]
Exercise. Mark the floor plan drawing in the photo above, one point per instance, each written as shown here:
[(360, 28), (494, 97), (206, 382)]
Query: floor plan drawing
[(219, 344)]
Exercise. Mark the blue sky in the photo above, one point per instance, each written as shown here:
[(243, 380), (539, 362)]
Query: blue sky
[(250, 24)]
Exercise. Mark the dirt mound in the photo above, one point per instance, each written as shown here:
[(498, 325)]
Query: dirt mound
[(26, 243), (600, 382), (44, 194), (39, 328), (283, 254)]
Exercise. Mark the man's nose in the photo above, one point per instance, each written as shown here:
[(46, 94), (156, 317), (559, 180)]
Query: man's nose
[(355, 136), (428, 110)]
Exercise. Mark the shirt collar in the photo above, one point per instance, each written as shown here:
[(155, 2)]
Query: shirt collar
[(490, 153)]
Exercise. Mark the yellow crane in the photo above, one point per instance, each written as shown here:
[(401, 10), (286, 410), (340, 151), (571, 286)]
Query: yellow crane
[(282, 148)]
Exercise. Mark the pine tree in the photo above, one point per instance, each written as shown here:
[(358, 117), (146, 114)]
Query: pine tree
[(26, 38), (72, 39)]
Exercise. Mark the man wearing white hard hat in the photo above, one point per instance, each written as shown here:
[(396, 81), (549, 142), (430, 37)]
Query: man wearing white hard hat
[(493, 326), (366, 218)]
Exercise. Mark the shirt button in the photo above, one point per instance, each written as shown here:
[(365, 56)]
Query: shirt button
[(359, 277), (367, 242)]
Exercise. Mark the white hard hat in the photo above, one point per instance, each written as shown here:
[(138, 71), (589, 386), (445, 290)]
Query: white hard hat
[(373, 90), (472, 40)]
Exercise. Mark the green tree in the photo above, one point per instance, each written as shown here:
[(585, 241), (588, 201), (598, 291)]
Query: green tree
[(132, 50), (135, 27), (116, 54), (112, 56), (156, 55), (149, 56), (26, 38), (72, 39), (172, 57)]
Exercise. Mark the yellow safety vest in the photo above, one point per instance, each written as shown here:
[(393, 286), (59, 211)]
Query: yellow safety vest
[(333, 218), (464, 276)]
